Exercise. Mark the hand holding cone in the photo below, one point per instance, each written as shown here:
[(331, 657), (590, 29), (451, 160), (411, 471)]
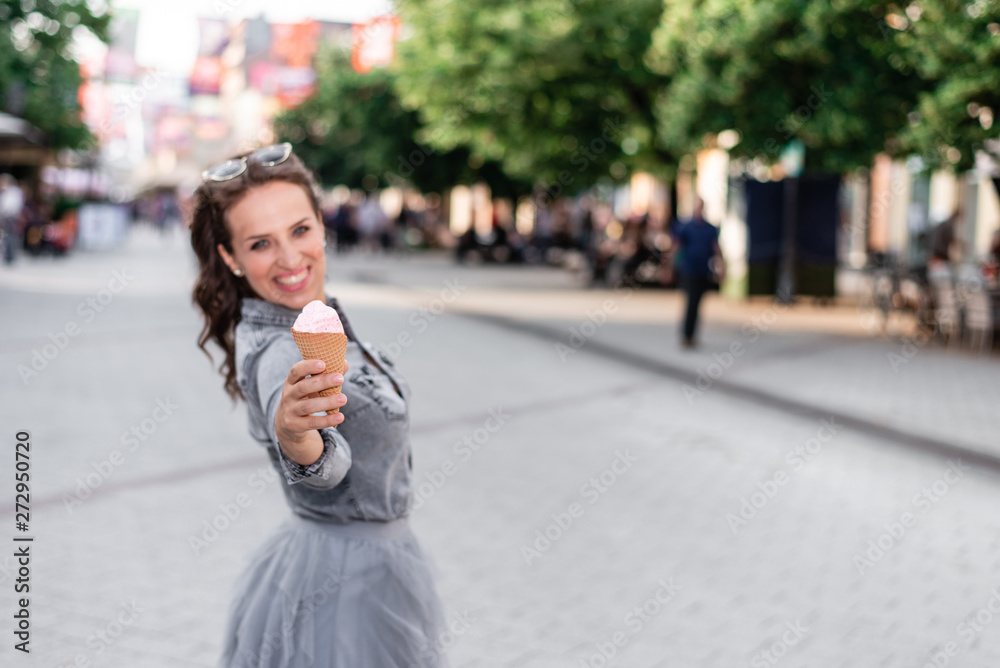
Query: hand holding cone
[(326, 346)]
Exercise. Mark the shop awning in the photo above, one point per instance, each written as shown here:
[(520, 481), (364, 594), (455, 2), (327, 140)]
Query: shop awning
[(17, 131)]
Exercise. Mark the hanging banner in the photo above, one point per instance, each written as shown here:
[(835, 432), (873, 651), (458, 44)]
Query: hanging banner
[(374, 43), (206, 76), (294, 44)]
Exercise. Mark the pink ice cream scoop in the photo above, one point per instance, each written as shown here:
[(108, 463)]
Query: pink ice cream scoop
[(318, 318)]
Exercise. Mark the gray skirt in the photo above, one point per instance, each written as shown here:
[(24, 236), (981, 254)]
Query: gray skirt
[(320, 595)]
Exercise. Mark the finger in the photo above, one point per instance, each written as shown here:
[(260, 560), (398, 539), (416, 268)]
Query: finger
[(315, 384), (317, 404), (319, 421), (304, 368)]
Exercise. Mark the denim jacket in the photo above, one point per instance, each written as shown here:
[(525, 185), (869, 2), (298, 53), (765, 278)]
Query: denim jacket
[(364, 470)]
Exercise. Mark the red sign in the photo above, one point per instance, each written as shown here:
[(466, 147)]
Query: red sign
[(294, 44), (206, 76), (374, 43)]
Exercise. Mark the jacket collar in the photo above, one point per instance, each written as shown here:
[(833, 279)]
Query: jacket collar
[(261, 312)]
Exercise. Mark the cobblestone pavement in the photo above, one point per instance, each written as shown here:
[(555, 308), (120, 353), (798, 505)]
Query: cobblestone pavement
[(609, 521)]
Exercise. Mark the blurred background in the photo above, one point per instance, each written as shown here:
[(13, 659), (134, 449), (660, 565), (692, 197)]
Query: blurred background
[(504, 188)]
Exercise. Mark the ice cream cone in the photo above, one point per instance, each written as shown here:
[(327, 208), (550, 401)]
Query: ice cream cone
[(331, 348)]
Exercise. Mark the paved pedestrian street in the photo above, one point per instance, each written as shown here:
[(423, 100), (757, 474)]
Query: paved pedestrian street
[(593, 499)]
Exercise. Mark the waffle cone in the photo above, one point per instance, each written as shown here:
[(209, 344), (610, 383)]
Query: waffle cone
[(331, 348)]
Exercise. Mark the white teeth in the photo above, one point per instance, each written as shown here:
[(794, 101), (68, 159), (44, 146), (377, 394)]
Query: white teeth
[(294, 279)]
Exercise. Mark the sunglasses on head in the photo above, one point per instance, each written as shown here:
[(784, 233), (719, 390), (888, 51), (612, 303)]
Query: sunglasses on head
[(268, 156)]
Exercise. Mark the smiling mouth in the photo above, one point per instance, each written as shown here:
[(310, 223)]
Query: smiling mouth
[(293, 280)]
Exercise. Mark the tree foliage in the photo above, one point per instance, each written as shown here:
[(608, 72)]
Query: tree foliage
[(570, 92), (39, 79), (355, 131), (955, 46), (827, 73), (555, 90)]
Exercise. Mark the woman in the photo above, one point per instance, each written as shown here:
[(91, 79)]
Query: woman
[(342, 582)]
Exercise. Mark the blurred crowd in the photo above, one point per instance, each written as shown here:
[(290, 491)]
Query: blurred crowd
[(583, 235), (580, 234), (34, 219)]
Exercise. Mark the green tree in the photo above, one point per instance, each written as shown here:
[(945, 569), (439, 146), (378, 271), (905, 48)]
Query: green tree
[(39, 79), (555, 90), (828, 73), (355, 131), (955, 46)]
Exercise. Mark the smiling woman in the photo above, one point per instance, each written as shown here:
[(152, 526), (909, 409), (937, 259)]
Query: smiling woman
[(277, 244), (246, 233), (343, 581)]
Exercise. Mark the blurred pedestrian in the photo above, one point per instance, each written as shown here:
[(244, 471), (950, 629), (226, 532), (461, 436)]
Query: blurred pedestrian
[(585, 233), (698, 242), (344, 223), (329, 217), (402, 224), (944, 238), (372, 222), (342, 581), (991, 267), (541, 235), (944, 244), (11, 205)]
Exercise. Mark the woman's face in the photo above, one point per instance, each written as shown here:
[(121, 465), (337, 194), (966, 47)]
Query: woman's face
[(278, 243)]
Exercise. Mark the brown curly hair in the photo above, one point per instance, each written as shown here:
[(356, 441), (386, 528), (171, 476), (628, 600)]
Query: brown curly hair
[(217, 291)]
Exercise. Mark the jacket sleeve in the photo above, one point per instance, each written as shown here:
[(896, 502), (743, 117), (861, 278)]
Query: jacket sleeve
[(273, 364)]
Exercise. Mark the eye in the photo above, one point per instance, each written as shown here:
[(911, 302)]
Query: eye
[(303, 228), (257, 244)]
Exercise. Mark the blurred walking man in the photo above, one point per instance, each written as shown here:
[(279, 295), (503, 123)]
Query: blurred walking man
[(699, 243), (11, 204)]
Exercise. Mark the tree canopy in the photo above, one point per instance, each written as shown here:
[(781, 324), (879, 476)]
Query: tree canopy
[(825, 73), (355, 131), (39, 79), (555, 90), (569, 92), (955, 47)]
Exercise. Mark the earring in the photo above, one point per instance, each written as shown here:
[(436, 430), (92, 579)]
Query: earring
[(324, 243), (238, 272)]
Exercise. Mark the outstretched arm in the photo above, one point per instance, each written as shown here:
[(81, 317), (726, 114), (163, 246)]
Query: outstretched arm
[(311, 450)]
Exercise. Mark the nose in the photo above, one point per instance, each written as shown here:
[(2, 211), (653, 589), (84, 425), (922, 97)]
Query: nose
[(288, 255)]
